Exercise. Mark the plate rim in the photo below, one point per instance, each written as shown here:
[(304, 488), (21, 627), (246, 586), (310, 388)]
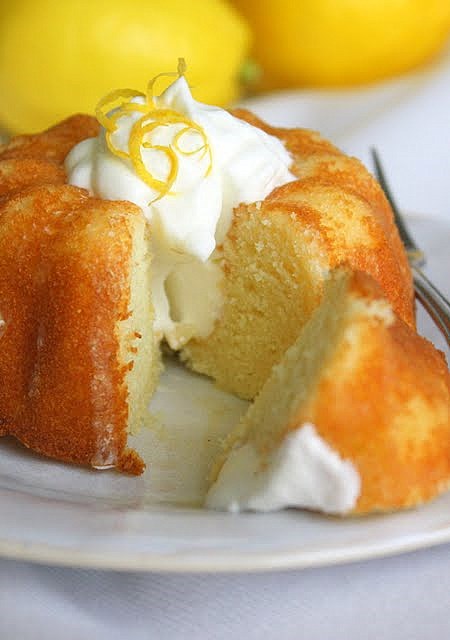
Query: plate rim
[(217, 562)]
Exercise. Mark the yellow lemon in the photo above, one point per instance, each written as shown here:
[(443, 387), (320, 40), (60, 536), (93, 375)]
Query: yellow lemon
[(343, 42), (60, 57)]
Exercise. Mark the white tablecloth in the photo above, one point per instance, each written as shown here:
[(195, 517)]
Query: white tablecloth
[(400, 597), (405, 597)]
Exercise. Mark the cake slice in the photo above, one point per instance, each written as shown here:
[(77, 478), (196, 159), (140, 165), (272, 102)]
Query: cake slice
[(353, 419), (78, 358)]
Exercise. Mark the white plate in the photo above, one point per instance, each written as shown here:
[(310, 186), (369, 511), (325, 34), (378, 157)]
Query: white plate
[(58, 514)]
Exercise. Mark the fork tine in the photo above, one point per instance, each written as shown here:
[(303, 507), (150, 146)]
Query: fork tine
[(432, 299), (406, 237)]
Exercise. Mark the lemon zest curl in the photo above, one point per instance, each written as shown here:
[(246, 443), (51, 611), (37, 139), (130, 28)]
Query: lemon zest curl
[(120, 103)]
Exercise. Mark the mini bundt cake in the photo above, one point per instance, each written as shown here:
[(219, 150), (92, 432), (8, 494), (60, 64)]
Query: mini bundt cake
[(243, 224), (278, 252), (78, 361), (353, 419)]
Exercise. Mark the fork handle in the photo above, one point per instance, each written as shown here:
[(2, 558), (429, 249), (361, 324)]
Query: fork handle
[(434, 302)]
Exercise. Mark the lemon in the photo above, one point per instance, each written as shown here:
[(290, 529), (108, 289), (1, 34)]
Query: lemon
[(343, 42), (60, 57)]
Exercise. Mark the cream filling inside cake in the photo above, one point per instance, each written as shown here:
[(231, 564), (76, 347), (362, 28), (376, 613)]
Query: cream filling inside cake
[(303, 472), (188, 297), (213, 162)]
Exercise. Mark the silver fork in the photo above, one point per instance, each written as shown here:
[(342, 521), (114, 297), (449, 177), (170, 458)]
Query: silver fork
[(431, 298)]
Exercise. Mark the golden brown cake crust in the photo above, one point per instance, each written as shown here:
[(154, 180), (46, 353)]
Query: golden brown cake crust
[(54, 144), (64, 267), (64, 286), (17, 174), (330, 184)]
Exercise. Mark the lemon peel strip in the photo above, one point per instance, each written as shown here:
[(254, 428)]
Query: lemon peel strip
[(136, 143), (121, 101), (123, 110), (180, 134), (109, 102), (181, 70)]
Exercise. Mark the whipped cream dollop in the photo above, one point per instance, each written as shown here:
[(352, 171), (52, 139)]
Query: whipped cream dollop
[(221, 162), (303, 471)]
